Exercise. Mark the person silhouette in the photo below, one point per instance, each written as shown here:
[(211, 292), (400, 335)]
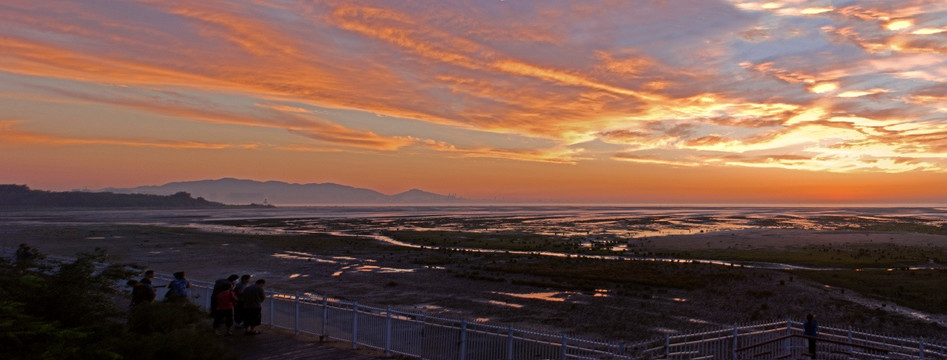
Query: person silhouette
[(178, 288), (811, 331)]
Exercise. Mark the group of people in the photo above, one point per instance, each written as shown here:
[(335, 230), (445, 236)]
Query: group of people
[(238, 304), (233, 303), (143, 291)]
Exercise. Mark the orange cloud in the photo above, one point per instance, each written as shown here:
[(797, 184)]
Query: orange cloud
[(556, 156), (903, 30), (301, 124), (254, 37), (625, 64), (769, 69), (10, 135), (343, 136), (644, 159), (308, 148), (285, 108), (860, 93)]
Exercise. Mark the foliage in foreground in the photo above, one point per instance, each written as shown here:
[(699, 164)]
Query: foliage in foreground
[(70, 313)]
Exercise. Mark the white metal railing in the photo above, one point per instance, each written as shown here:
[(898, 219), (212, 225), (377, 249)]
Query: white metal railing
[(785, 339), (429, 337), (411, 333)]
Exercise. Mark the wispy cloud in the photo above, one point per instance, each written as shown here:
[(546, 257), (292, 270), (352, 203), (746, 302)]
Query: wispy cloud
[(11, 135), (554, 155), (278, 117)]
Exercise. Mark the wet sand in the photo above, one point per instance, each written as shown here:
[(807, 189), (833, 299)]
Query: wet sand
[(458, 285)]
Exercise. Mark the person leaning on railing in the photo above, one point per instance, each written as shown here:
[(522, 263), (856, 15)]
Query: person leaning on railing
[(239, 311), (178, 288), (25, 256), (141, 293), (253, 297)]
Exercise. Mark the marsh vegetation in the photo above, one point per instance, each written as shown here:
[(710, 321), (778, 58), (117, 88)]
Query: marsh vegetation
[(580, 276)]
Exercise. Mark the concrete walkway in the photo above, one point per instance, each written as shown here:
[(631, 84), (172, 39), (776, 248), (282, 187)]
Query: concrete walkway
[(280, 344)]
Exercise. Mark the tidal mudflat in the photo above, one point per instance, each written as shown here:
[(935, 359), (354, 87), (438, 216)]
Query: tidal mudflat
[(605, 272)]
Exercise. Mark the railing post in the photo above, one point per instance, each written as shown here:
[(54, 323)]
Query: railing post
[(850, 340), (388, 333), (736, 333), (463, 339), (564, 344), (921, 348), (296, 313), (788, 341), (325, 318), (355, 326), (667, 345), (702, 345), (509, 343)]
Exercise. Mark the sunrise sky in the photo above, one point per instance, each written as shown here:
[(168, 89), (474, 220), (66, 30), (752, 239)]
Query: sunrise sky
[(638, 102)]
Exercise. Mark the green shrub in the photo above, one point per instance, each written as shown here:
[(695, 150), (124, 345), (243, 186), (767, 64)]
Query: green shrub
[(69, 313)]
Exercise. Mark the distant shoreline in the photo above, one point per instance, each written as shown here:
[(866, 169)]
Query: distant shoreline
[(14, 197)]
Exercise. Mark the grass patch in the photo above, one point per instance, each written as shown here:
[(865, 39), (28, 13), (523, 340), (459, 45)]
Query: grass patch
[(514, 241), (917, 289), (590, 274), (849, 256), (318, 242)]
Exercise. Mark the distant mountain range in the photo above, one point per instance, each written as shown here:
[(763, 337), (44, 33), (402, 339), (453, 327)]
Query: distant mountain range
[(22, 197), (238, 191)]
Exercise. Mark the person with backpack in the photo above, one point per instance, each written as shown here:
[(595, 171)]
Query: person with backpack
[(221, 285), (178, 288), (223, 313), (141, 293)]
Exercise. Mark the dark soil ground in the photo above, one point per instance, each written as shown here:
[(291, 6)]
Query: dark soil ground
[(604, 299)]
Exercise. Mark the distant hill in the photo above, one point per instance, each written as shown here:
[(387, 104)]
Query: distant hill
[(21, 196), (238, 191)]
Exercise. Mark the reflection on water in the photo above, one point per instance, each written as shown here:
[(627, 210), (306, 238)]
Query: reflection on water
[(350, 264), (553, 296), (611, 232), (698, 321), (595, 227), (664, 330), (591, 223), (296, 255), (379, 269), (502, 303)]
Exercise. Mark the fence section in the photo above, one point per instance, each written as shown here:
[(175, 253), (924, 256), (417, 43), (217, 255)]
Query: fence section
[(428, 337)]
